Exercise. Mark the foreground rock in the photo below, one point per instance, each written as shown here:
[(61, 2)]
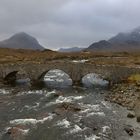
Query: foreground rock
[(129, 130), (67, 107), (131, 115), (17, 132)]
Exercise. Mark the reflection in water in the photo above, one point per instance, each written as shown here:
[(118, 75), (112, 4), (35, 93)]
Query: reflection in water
[(23, 82), (57, 78), (94, 79)]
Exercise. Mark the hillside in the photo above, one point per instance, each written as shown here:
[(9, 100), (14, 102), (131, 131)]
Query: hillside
[(21, 41), (128, 41)]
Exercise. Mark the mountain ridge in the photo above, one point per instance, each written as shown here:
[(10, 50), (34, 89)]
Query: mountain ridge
[(127, 41)]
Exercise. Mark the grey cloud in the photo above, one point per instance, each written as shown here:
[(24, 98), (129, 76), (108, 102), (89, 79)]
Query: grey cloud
[(66, 23)]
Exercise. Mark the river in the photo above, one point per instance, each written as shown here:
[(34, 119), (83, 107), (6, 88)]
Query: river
[(62, 113)]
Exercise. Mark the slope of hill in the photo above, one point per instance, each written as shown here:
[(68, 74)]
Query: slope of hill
[(99, 46), (129, 41), (21, 41)]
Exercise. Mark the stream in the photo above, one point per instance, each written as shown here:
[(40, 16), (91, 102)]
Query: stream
[(63, 112)]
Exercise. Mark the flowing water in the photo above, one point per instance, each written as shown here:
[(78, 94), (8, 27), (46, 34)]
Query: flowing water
[(40, 114)]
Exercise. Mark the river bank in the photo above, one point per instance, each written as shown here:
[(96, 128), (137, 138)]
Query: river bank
[(126, 95)]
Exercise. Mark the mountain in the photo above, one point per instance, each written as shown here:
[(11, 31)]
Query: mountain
[(128, 41), (74, 49), (21, 41), (99, 46), (128, 37)]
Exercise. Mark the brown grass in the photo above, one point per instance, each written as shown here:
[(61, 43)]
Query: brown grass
[(98, 58)]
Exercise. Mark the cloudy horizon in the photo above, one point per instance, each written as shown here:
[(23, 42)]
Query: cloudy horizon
[(68, 23)]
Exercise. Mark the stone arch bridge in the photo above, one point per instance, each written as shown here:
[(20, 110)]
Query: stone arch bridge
[(36, 72)]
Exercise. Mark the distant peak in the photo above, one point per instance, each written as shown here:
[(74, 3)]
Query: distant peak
[(23, 37), (21, 34), (22, 40)]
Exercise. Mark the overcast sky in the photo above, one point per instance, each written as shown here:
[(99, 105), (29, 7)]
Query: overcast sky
[(68, 23)]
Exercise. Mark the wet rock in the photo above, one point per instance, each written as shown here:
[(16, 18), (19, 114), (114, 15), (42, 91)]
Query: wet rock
[(107, 98), (131, 115), (59, 111), (95, 128), (54, 95), (17, 132), (71, 107), (58, 94), (138, 119), (67, 107), (42, 115), (129, 130), (138, 89)]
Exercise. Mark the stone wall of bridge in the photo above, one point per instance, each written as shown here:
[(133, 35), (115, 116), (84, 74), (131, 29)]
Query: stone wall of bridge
[(76, 71)]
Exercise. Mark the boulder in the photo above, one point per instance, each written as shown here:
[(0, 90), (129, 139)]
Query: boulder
[(138, 119), (17, 132), (129, 130), (131, 115), (67, 107)]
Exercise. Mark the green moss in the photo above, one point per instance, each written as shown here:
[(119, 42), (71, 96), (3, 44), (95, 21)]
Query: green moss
[(134, 78)]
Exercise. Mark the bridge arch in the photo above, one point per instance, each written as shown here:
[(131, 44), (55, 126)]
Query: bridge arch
[(55, 77), (10, 78), (16, 77), (42, 75), (94, 79)]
